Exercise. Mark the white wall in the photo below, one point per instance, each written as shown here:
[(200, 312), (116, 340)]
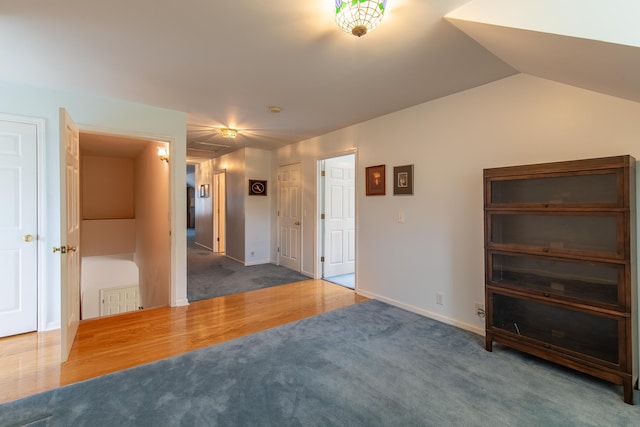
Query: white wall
[(517, 120), (235, 166), (248, 219), (307, 153), (101, 272), (258, 208), (613, 21), (91, 112)]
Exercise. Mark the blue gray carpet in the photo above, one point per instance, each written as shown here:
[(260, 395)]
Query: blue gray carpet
[(211, 275), (369, 364)]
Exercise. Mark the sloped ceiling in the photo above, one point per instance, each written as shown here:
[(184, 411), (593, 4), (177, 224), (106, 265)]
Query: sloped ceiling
[(589, 44), (225, 63)]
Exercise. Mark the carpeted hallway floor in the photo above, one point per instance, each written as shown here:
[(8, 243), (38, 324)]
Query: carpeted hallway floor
[(211, 275)]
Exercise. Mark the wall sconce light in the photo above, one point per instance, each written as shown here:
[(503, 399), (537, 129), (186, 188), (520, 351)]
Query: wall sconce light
[(163, 154)]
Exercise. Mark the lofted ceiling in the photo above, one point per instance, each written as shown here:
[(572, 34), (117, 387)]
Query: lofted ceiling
[(225, 63)]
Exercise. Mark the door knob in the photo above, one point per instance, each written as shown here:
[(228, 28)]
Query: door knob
[(27, 237), (297, 223), (71, 248)]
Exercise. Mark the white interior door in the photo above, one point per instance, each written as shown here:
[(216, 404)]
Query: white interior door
[(340, 213), (69, 233), (289, 218), (18, 228)]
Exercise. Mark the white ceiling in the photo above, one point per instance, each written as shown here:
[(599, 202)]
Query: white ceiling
[(224, 63)]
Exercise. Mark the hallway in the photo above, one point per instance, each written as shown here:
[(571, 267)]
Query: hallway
[(210, 275)]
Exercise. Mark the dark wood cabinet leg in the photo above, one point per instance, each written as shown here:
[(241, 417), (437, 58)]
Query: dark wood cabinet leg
[(627, 385), (488, 343)]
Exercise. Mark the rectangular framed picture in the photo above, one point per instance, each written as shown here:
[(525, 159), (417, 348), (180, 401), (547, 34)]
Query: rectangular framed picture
[(204, 191), (257, 187), (375, 180), (403, 179)]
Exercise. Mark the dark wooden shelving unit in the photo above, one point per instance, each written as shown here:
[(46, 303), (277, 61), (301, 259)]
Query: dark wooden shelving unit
[(560, 273)]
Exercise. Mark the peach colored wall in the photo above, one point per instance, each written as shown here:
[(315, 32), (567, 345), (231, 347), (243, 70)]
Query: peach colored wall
[(108, 237), (153, 239), (107, 187)]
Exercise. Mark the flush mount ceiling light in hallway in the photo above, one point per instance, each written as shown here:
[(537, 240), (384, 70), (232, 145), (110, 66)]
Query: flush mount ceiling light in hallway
[(229, 133), (358, 17)]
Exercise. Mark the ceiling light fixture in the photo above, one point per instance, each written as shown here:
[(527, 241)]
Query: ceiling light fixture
[(358, 17), (229, 133)]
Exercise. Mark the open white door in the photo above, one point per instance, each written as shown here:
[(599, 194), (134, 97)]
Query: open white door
[(289, 220), (339, 216), (18, 227), (69, 233)]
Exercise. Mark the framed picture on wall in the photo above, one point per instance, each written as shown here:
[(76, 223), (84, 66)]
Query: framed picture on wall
[(403, 179), (257, 187), (375, 180), (204, 191)]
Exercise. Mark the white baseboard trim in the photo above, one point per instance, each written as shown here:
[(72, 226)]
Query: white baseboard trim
[(250, 263), (182, 302), (449, 321), (51, 326), (308, 274), (203, 246), (235, 259)]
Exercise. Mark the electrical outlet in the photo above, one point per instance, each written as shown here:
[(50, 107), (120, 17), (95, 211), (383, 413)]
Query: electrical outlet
[(439, 298), (479, 309)]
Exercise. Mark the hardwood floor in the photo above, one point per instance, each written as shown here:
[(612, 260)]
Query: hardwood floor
[(30, 363)]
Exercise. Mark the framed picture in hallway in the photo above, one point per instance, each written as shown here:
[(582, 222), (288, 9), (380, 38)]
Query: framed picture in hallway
[(403, 180), (257, 187), (204, 191), (375, 180)]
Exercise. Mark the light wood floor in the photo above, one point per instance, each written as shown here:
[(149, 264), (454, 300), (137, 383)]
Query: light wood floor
[(30, 363)]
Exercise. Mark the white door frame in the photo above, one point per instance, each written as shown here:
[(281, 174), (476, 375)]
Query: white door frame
[(219, 219), (42, 209), (319, 203)]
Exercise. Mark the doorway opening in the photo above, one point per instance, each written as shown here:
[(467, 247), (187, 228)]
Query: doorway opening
[(124, 204), (337, 220)]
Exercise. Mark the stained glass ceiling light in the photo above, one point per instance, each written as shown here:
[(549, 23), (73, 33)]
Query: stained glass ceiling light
[(358, 17)]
